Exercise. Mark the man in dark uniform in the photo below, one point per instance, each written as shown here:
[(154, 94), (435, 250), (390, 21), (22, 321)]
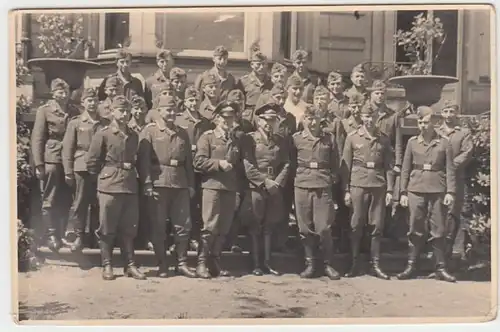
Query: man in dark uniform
[(299, 60), (46, 143), (131, 86), (211, 93), (339, 102), (367, 164), (266, 159), (278, 76), (112, 157), (225, 80), (112, 88), (217, 158), (195, 125), (358, 80), (165, 62), (75, 145), (166, 171), (317, 166), (427, 185)]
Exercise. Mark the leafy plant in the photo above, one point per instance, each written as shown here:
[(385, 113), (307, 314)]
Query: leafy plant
[(416, 41), (26, 248)]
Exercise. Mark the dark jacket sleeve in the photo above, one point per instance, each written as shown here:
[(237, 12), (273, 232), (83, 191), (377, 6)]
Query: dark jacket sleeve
[(466, 150), (450, 171), (188, 164), (282, 177), (101, 94), (144, 157), (250, 162), (389, 165), (38, 137), (69, 148), (346, 165), (96, 154)]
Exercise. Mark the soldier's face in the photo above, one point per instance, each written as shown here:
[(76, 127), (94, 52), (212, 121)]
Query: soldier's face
[(220, 61), (61, 95), (358, 79), (210, 90), (295, 92), (336, 87), (449, 115), (355, 109), (168, 92), (258, 67), (124, 65), (378, 97), (121, 115), (313, 123), (90, 104), (279, 98), (300, 66), (367, 120), (190, 103), (424, 123), (278, 77), (168, 113), (321, 101), (111, 91), (225, 122), (165, 64), (138, 111), (266, 124), (178, 84)]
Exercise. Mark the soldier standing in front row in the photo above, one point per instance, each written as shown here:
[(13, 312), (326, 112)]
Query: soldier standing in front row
[(266, 159), (427, 185), (112, 158), (46, 143), (367, 164), (76, 143), (217, 158), (317, 165), (166, 172)]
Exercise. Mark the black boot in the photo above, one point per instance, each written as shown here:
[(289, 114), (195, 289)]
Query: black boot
[(375, 254), (267, 256), (130, 269), (354, 271), (53, 243), (161, 256), (256, 255), (106, 247), (308, 242), (77, 245), (216, 269), (202, 269), (327, 248), (439, 246), (411, 268), (182, 267)]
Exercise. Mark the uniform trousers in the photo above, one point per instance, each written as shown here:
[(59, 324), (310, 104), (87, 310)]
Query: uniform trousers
[(261, 212), (217, 211), (118, 215), (85, 200), (427, 216), (315, 210)]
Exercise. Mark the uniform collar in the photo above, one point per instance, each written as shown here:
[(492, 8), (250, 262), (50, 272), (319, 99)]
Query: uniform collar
[(164, 128), (189, 116), (85, 117), (435, 138), (134, 125), (256, 80), (115, 130), (123, 78), (338, 100), (160, 76), (215, 72), (383, 110), (307, 133), (446, 130), (219, 133), (352, 121), (306, 80)]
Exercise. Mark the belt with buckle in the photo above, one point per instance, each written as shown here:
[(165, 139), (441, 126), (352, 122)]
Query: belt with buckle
[(427, 167), (314, 165), (367, 164), (193, 147), (125, 166), (268, 170), (174, 163)]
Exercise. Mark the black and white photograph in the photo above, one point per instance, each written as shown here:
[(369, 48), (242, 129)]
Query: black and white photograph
[(240, 164)]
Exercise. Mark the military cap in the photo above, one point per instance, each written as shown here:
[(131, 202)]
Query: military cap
[(268, 111), (137, 101), (423, 111), (258, 56), (377, 85), (277, 89), (278, 68), (294, 81), (356, 99), (225, 108), (191, 92), (120, 102), (89, 93), (300, 55), (321, 90), (58, 84), (209, 79), (235, 96), (334, 76), (112, 82), (122, 54), (167, 102), (451, 104), (358, 69), (176, 73), (163, 54), (221, 51)]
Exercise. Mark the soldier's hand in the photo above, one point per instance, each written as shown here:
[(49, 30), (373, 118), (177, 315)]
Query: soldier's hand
[(271, 186), (404, 201), (397, 169), (192, 192), (70, 179), (347, 199), (148, 189), (448, 199), (225, 165), (40, 172), (388, 199)]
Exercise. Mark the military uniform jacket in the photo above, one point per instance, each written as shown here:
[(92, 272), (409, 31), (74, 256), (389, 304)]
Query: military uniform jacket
[(428, 167), (367, 161), (462, 148), (388, 122), (153, 85), (165, 158), (113, 155), (207, 109), (48, 132), (309, 86), (350, 124), (212, 147), (138, 128), (132, 86), (315, 160), (265, 158), (225, 84), (252, 88), (76, 142), (194, 126), (340, 107), (287, 124)]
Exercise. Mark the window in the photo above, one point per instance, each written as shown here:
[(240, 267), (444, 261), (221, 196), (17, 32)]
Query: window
[(201, 31), (286, 34), (116, 29), (446, 62)]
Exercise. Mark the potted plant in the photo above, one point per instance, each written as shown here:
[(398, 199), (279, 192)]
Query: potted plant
[(61, 41)]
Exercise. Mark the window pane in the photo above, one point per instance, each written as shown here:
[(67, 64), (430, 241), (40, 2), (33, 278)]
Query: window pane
[(204, 31), (446, 62), (116, 29), (404, 22)]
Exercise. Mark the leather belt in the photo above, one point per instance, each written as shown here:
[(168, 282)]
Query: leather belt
[(268, 170), (427, 167), (314, 165), (174, 163), (367, 164), (125, 166)]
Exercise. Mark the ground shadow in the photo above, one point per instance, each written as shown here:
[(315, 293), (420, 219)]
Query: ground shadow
[(46, 311)]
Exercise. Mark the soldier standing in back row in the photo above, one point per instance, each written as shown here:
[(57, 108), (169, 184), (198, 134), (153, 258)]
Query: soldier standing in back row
[(367, 164), (427, 185), (165, 62), (76, 143), (278, 76), (178, 79), (299, 60), (211, 93), (353, 122), (358, 80), (339, 102), (46, 143), (112, 158), (294, 104)]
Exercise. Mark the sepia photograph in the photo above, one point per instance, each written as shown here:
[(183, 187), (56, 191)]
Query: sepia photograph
[(209, 165)]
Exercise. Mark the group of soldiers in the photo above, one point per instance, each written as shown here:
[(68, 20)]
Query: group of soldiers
[(193, 160)]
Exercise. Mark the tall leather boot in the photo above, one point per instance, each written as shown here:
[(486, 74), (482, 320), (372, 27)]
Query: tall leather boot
[(53, 242), (77, 245), (267, 256), (256, 255), (202, 269), (354, 271), (308, 243), (161, 256), (216, 269), (375, 257), (411, 268), (439, 246), (181, 249), (105, 244), (327, 248), (130, 269)]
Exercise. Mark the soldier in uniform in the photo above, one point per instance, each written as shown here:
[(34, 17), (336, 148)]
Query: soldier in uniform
[(165, 62), (163, 89), (112, 88), (358, 80), (317, 164), (211, 93), (339, 102), (278, 76), (266, 159), (75, 145), (131, 86), (294, 104), (427, 186), (217, 158), (353, 122), (225, 80), (112, 158), (46, 143), (367, 164), (178, 79), (166, 171), (195, 125), (299, 60)]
